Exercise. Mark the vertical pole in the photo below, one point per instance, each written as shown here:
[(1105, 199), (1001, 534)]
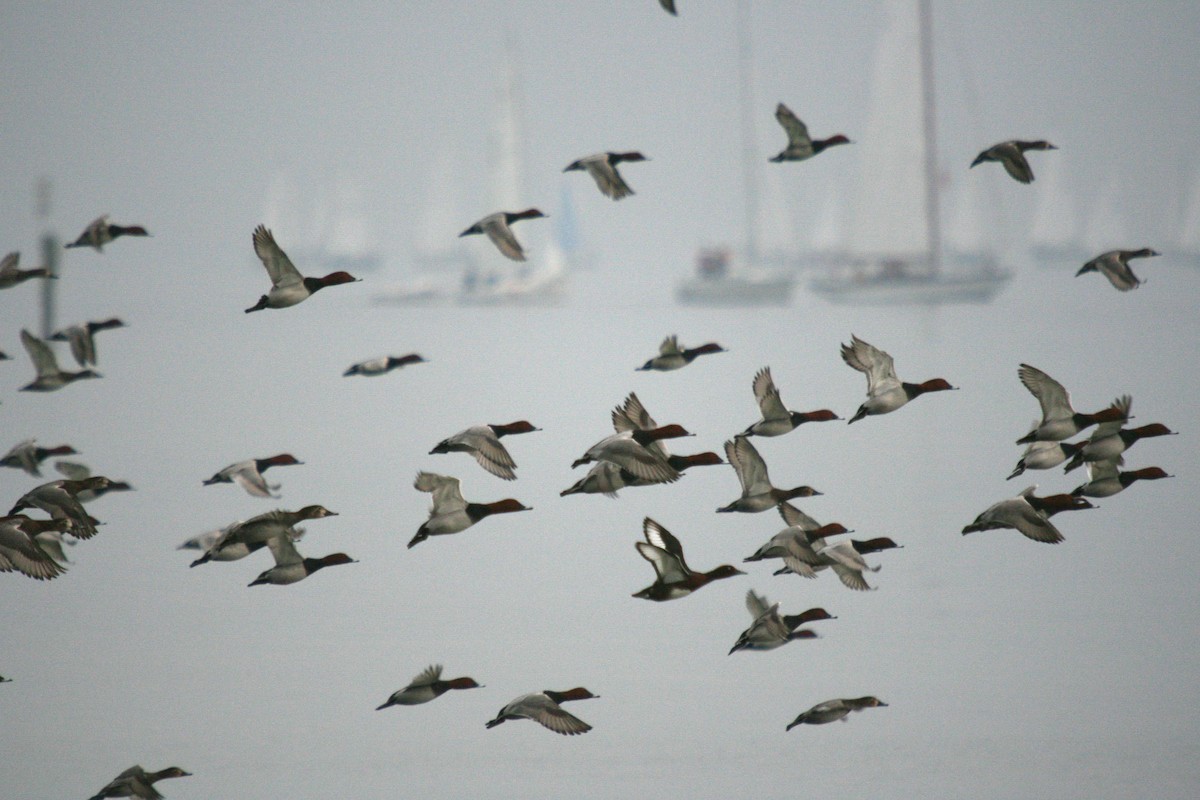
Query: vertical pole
[(51, 249), (932, 211), (746, 111)]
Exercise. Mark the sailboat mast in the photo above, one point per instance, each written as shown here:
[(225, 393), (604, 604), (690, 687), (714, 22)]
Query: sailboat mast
[(746, 112), (932, 210)]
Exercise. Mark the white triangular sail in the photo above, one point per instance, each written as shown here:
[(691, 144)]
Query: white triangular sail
[(888, 217), (1056, 220)]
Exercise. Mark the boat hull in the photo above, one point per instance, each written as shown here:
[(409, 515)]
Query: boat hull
[(892, 290), (735, 291)]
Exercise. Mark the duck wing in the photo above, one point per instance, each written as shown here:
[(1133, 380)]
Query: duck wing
[(83, 346), (280, 268), (40, 354), (284, 550), (427, 676), (797, 131), (605, 174), (633, 416), (446, 491), (874, 363), (8, 265), (749, 465), (1053, 398), (21, 552), (767, 396), (756, 604), (24, 456), (664, 552), (250, 479), (556, 719), (1105, 429), (502, 236)]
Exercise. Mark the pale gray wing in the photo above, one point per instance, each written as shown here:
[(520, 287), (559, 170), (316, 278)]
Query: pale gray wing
[(40, 354), (749, 465), (1050, 394), (446, 491), (279, 267), (767, 396), (83, 347), (874, 363), (756, 604), (1014, 161), (284, 550), (1124, 404), (250, 479), (427, 676), (609, 181), (502, 236), (797, 131)]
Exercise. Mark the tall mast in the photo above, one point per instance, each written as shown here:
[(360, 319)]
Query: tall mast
[(51, 249), (746, 112), (932, 212)]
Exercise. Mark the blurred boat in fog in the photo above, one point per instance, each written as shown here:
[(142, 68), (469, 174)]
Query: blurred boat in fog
[(895, 253)]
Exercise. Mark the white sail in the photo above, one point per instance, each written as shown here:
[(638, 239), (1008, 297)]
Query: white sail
[(827, 233), (894, 245), (966, 229), (1189, 231), (507, 182), (1106, 228), (888, 217), (1056, 221), (348, 234), (775, 232)]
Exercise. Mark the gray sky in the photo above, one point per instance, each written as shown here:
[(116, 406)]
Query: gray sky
[(1011, 668)]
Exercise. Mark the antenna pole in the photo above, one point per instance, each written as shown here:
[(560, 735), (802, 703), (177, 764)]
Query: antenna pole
[(932, 211), (746, 111), (51, 248)]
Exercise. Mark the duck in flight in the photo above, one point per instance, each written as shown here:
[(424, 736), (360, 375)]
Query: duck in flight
[(801, 146), (288, 286)]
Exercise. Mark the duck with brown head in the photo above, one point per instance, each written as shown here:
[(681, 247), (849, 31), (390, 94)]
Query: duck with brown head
[(757, 492), (833, 710), (801, 146), (496, 227), (137, 782), (544, 709), (777, 419), (450, 513), (100, 232), (603, 169), (483, 442), (673, 578), (427, 686), (1012, 155), (288, 286), (1114, 265), (885, 392)]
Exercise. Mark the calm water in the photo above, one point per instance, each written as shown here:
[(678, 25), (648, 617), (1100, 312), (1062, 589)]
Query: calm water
[(1011, 669)]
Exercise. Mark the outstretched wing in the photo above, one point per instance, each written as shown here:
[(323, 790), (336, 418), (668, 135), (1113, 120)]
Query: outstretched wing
[(283, 273)]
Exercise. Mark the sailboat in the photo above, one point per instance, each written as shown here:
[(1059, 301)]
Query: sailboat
[(724, 277), (1055, 237), (895, 253), (469, 272), (496, 281)]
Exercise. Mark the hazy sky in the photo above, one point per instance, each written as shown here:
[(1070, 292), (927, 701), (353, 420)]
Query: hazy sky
[(1012, 669)]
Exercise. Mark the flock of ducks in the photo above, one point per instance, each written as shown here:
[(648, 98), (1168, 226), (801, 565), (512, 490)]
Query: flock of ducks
[(634, 455)]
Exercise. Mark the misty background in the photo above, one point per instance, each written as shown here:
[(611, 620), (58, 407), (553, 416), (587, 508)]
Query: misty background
[(1011, 669)]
